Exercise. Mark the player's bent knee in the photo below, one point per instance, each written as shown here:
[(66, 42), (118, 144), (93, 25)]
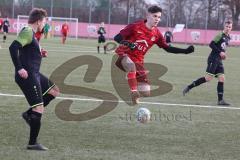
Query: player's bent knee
[(39, 109), (221, 78), (129, 67), (128, 64), (208, 78), (55, 91)]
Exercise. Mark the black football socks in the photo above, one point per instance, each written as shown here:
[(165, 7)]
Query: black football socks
[(220, 90), (197, 82), (35, 125), (47, 99)]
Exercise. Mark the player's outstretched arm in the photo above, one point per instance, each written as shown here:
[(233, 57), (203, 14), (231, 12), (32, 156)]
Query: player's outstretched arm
[(177, 50), (119, 39), (14, 48)]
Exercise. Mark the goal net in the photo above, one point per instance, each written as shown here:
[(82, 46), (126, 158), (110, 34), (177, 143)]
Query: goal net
[(55, 25)]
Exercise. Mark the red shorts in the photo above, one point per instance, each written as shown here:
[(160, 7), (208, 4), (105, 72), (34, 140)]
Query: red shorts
[(64, 34), (141, 72)]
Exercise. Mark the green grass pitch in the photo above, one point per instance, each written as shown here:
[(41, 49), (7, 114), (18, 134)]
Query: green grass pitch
[(183, 128)]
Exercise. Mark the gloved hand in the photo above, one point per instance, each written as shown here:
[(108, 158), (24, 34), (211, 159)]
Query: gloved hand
[(131, 45), (190, 49)]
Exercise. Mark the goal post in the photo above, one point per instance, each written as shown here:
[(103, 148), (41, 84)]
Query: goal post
[(55, 25)]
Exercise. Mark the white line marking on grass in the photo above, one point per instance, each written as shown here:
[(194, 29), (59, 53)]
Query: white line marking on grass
[(69, 51), (81, 49), (72, 47), (156, 103)]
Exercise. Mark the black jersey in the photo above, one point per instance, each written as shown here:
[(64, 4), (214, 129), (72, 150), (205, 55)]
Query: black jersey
[(30, 54), (6, 23), (168, 36), (101, 31), (218, 45)]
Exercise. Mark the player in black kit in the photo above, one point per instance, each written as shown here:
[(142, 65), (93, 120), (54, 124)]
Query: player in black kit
[(215, 66), (168, 36), (38, 89), (101, 39), (6, 25)]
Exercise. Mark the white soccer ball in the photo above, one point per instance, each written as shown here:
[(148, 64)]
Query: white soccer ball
[(143, 115)]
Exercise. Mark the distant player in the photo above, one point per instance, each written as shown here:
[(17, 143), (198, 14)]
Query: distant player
[(64, 31), (37, 89), (38, 35), (168, 36), (6, 25), (101, 39), (215, 66), (46, 30), (136, 39)]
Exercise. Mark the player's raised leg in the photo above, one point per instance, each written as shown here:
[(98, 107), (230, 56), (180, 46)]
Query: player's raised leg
[(49, 90), (211, 71), (126, 64), (196, 83)]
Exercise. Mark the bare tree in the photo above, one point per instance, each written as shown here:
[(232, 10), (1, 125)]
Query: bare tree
[(6, 8), (23, 7), (234, 6), (208, 14)]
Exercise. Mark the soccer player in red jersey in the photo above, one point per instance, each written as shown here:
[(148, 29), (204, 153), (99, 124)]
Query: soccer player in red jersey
[(38, 36), (64, 31), (136, 39)]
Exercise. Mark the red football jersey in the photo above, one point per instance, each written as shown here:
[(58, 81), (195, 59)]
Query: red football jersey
[(38, 35), (143, 37), (65, 28)]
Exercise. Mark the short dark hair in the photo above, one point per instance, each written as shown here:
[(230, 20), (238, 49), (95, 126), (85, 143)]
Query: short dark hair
[(154, 9), (36, 14), (228, 22)]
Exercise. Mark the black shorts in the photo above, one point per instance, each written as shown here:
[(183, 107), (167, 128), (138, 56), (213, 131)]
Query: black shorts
[(168, 39), (5, 29), (215, 68), (101, 39), (34, 87), (0, 27)]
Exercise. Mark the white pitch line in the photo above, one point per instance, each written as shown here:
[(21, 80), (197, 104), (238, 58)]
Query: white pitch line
[(79, 51), (92, 50), (156, 103)]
